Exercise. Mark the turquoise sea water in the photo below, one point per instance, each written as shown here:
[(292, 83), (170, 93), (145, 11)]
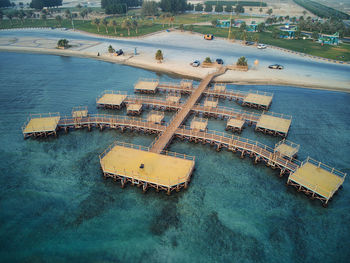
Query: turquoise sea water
[(56, 207)]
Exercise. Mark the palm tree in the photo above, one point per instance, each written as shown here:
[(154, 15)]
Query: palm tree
[(135, 25), (214, 22), (83, 14), (43, 17), (159, 56), (62, 43), (105, 23), (242, 61), (127, 24), (1, 16), (113, 24), (111, 49), (96, 22), (10, 17), (67, 14), (21, 16), (181, 27), (190, 28), (59, 20)]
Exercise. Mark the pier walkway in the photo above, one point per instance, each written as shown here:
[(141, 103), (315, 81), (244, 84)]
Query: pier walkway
[(168, 134)]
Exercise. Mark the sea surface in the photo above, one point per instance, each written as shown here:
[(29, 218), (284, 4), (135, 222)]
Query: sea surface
[(55, 205)]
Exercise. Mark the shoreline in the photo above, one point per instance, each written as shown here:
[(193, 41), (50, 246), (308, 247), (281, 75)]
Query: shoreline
[(159, 67), (301, 54)]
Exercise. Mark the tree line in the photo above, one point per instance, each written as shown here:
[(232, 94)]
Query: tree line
[(5, 3), (40, 4), (119, 6)]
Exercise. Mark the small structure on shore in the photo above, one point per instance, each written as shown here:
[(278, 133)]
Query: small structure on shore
[(329, 39)]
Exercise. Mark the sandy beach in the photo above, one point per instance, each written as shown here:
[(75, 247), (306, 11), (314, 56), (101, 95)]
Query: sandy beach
[(187, 47)]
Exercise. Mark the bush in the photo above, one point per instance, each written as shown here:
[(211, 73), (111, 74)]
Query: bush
[(63, 43), (159, 55), (207, 60), (242, 61)]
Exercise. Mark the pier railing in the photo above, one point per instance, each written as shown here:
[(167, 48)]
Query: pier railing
[(151, 101), (278, 115), (264, 93), (40, 115), (325, 167), (289, 143), (147, 80)]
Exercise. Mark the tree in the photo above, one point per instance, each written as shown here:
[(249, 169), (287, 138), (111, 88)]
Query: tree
[(239, 9), (105, 23), (79, 6), (260, 10), (96, 22), (242, 61), (269, 12), (297, 33), (181, 27), (21, 16), (5, 3), (10, 17), (135, 25), (214, 22), (111, 49), (113, 24), (159, 56), (44, 18), (228, 8), (40, 4), (244, 35), (190, 28), (242, 27), (207, 60), (149, 8), (83, 14), (1, 16), (62, 43), (208, 8), (219, 8), (261, 27), (173, 6), (275, 32), (59, 20), (127, 25), (198, 7), (314, 35), (304, 12)]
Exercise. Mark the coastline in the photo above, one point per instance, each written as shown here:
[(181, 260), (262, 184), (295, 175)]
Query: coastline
[(177, 69)]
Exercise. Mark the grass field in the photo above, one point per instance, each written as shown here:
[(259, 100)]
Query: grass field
[(305, 46), (145, 27)]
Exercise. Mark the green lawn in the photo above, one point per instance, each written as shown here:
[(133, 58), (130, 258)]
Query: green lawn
[(197, 18), (145, 27), (305, 46)]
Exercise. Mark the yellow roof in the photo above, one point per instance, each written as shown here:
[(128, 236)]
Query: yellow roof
[(235, 123), (258, 99), (41, 124), (274, 123), (79, 113), (286, 150), (146, 85), (111, 99), (317, 179), (134, 107), (158, 168)]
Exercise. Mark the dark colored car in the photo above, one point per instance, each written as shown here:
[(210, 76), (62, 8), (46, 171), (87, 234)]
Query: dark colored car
[(219, 61), (119, 52), (276, 66), (249, 43)]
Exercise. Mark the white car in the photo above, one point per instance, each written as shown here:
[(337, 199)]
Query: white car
[(195, 63), (262, 46)]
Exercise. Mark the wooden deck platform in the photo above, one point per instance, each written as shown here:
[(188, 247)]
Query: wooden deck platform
[(137, 165), (235, 125), (199, 124), (219, 87), (134, 109), (79, 111), (211, 102), (287, 148), (260, 100), (41, 125), (146, 86), (155, 117), (274, 124), (173, 98), (111, 99), (317, 180)]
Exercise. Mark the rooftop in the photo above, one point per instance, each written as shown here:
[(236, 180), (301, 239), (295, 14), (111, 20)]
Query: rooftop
[(274, 123), (144, 84), (258, 99), (39, 123)]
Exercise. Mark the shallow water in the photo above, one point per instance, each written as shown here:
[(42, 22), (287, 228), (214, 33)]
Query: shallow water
[(55, 206)]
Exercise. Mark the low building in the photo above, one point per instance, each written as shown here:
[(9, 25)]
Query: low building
[(329, 39)]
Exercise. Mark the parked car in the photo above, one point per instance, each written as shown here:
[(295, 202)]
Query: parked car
[(119, 52), (208, 37), (276, 66), (195, 63), (262, 46), (249, 43), (219, 61)]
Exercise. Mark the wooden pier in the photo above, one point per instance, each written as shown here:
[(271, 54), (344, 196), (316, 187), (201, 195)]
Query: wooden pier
[(254, 99), (317, 180), (165, 138), (154, 167), (137, 165)]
